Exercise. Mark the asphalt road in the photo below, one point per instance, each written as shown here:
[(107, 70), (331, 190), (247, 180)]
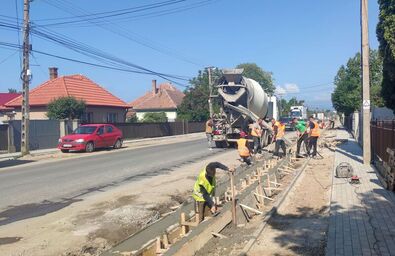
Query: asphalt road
[(33, 190)]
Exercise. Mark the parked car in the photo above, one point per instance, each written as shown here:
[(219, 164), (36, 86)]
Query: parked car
[(288, 123), (88, 137)]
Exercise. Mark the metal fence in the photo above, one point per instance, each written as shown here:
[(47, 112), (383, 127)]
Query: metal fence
[(383, 137), (43, 134), (3, 137), (150, 130)]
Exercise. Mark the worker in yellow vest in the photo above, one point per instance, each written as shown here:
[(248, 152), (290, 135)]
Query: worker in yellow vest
[(244, 150), (314, 133), (204, 189), (278, 137)]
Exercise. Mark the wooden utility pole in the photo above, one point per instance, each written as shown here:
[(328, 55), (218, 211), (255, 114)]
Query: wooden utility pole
[(210, 87), (26, 75), (365, 82)]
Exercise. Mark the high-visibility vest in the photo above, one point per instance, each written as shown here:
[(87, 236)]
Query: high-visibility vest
[(280, 131), (202, 181), (315, 132), (242, 147), (209, 127), (255, 132)]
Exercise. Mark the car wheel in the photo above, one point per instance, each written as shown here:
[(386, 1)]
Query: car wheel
[(90, 147), (64, 150), (118, 144)]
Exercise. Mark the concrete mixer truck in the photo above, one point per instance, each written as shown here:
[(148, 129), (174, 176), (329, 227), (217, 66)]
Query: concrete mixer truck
[(242, 101)]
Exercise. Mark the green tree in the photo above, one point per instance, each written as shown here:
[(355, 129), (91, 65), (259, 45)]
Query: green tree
[(132, 119), (264, 78), (347, 96), (286, 105), (194, 106), (12, 90), (155, 117), (66, 107), (386, 37)]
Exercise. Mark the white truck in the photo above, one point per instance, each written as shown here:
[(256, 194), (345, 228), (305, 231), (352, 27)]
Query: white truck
[(242, 101), (299, 112), (321, 116)]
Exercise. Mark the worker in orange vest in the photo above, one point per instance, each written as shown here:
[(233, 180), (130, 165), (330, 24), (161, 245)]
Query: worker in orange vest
[(244, 150), (279, 132), (209, 133), (314, 133), (256, 132)]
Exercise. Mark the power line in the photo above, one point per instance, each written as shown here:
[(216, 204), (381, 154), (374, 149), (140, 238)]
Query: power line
[(106, 18), (122, 32), (101, 15), (13, 46)]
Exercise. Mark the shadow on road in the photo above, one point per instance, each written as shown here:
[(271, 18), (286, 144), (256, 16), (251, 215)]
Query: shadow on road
[(14, 162), (26, 211)]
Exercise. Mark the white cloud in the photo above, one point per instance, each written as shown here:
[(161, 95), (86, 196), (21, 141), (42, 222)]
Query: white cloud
[(291, 88), (280, 90)]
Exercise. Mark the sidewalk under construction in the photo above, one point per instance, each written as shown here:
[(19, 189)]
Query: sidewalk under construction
[(260, 191), (266, 193)]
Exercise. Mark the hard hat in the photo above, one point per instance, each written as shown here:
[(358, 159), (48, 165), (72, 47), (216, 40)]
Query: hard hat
[(243, 134)]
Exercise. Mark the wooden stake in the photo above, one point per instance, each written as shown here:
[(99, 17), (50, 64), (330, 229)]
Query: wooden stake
[(251, 209), (232, 186), (183, 220)]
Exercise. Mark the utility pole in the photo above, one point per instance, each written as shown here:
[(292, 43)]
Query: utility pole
[(210, 87), (26, 80), (365, 82)]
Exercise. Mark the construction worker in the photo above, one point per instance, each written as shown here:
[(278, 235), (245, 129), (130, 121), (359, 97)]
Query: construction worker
[(209, 132), (278, 137), (244, 150), (314, 133), (204, 189), (256, 132), (301, 132)]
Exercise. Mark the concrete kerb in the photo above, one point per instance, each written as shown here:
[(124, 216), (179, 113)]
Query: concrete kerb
[(139, 239), (273, 211), (196, 239), (14, 156)]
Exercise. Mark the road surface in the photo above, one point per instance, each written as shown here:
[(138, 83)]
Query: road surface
[(34, 190)]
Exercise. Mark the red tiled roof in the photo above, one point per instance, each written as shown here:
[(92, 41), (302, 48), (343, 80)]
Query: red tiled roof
[(6, 97), (77, 86), (166, 97)]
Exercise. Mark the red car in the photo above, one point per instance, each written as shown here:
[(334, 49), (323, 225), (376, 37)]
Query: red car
[(88, 137)]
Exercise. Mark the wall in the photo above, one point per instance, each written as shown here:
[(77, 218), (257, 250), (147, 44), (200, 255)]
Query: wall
[(100, 114), (43, 134), (149, 130)]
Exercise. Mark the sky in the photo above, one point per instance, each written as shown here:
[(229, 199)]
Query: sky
[(303, 43)]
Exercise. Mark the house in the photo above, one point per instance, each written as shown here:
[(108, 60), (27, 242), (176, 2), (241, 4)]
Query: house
[(101, 105), (6, 113), (165, 98)]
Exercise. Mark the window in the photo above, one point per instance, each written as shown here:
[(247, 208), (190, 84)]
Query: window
[(100, 130), (111, 117), (87, 117), (109, 129)]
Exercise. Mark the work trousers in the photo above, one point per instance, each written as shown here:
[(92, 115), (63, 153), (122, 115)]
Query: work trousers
[(246, 159), (202, 209), (280, 143), (209, 139), (256, 143), (303, 139), (313, 144)]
